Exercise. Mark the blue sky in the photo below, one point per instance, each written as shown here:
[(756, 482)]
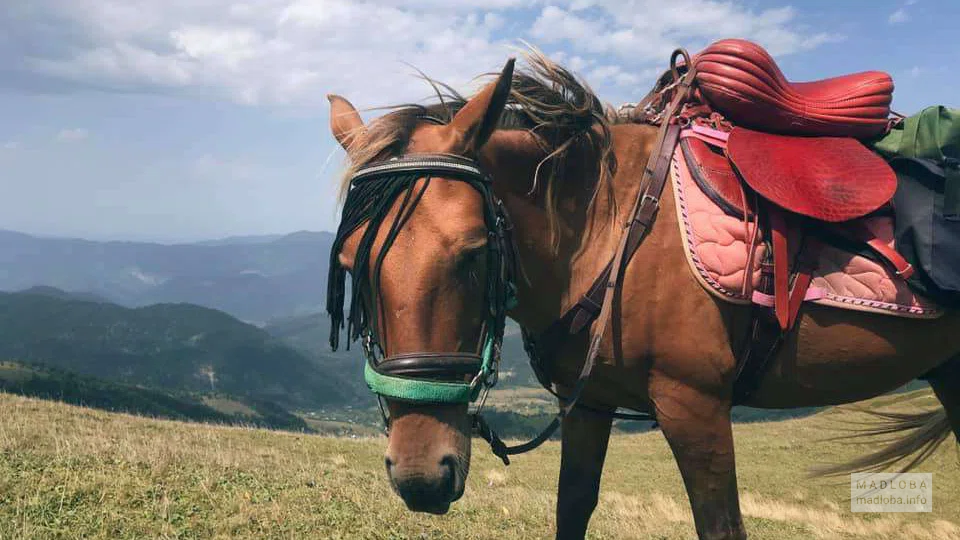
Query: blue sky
[(173, 120)]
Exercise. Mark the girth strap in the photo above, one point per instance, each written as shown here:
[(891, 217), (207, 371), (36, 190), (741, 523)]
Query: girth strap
[(770, 326)]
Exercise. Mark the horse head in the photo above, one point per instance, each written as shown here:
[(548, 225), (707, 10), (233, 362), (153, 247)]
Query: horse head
[(423, 237)]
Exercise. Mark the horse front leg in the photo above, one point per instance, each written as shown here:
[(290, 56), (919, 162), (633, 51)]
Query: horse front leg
[(698, 428), (585, 435)]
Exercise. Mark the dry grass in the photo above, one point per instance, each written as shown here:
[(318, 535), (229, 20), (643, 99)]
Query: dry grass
[(70, 472)]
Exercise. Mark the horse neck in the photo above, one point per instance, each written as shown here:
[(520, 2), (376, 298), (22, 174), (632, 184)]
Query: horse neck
[(557, 270)]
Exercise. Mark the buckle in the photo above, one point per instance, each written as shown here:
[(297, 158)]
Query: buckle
[(908, 271)]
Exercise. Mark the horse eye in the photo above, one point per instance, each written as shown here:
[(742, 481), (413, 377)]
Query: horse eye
[(468, 259)]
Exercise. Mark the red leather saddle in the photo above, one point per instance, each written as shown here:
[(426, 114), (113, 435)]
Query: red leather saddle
[(829, 179), (710, 169), (742, 81)]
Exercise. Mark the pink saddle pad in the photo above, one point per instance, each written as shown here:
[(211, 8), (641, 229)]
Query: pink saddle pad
[(717, 251)]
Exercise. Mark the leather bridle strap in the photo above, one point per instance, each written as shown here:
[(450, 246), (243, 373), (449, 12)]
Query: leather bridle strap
[(426, 165), (642, 215)]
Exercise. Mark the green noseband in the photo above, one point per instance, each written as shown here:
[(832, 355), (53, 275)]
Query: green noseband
[(422, 377), (429, 391)]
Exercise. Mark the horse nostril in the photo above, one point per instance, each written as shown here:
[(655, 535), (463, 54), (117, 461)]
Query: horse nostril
[(448, 468), (389, 463), (449, 462)]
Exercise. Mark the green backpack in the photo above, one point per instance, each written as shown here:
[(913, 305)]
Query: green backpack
[(924, 151), (932, 134)]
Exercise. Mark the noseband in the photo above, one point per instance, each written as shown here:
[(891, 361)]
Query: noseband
[(420, 377)]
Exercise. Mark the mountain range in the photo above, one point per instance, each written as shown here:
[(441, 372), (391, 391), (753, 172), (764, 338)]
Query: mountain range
[(254, 278)]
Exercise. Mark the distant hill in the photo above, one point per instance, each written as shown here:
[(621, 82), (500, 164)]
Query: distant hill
[(59, 385), (252, 278), (241, 240), (309, 335), (54, 292), (175, 347)]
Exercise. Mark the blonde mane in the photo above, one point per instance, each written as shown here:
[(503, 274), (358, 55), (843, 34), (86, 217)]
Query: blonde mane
[(546, 99)]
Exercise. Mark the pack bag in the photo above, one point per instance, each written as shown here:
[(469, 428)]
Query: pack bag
[(924, 151)]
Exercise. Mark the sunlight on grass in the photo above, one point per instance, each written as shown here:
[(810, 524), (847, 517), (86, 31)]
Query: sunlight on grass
[(70, 472)]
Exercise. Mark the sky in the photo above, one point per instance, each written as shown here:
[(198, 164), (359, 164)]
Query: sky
[(180, 120)]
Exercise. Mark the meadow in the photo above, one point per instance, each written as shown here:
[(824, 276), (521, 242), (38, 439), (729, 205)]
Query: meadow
[(73, 472)]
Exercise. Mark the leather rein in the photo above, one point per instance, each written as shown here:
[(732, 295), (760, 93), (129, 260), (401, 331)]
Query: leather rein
[(458, 377)]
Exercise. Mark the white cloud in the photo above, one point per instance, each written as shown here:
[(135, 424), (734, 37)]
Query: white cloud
[(293, 52), (647, 30), (11, 145), (266, 52), (72, 134), (898, 16)]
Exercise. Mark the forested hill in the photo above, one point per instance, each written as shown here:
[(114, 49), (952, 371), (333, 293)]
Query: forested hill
[(176, 347)]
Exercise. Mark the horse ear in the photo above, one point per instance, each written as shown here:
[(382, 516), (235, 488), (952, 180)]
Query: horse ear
[(477, 119), (345, 122)]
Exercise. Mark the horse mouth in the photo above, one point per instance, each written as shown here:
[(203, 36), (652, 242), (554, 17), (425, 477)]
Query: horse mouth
[(435, 509)]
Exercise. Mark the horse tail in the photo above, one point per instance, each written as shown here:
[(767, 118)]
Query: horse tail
[(913, 437)]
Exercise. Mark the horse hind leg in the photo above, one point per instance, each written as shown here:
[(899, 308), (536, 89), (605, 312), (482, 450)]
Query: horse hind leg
[(945, 381)]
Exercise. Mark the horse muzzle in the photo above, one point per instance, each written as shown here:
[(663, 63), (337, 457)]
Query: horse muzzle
[(428, 488)]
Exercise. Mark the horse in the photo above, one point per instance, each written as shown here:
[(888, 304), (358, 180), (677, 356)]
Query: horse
[(564, 169)]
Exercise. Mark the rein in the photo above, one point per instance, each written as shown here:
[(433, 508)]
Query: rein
[(457, 377)]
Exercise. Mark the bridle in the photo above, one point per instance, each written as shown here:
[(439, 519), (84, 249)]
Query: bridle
[(429, 376), (457, 377), (433, 377)]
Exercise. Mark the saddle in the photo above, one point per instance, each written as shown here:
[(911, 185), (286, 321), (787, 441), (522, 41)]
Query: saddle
[(787, 157), (741, 79)]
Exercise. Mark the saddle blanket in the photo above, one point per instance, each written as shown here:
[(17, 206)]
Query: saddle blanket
[(717, 246)]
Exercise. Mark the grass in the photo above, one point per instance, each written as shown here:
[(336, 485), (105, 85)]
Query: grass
[(71, 472)]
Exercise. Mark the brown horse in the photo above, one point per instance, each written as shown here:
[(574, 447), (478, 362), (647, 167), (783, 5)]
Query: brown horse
[(567, 173)]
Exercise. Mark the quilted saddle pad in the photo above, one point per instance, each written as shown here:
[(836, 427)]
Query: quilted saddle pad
[(716, 245)]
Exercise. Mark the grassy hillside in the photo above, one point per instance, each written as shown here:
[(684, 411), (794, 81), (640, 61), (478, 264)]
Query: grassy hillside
[(69, 472)]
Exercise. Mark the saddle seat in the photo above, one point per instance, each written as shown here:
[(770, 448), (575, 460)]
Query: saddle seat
[(742, 81)]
